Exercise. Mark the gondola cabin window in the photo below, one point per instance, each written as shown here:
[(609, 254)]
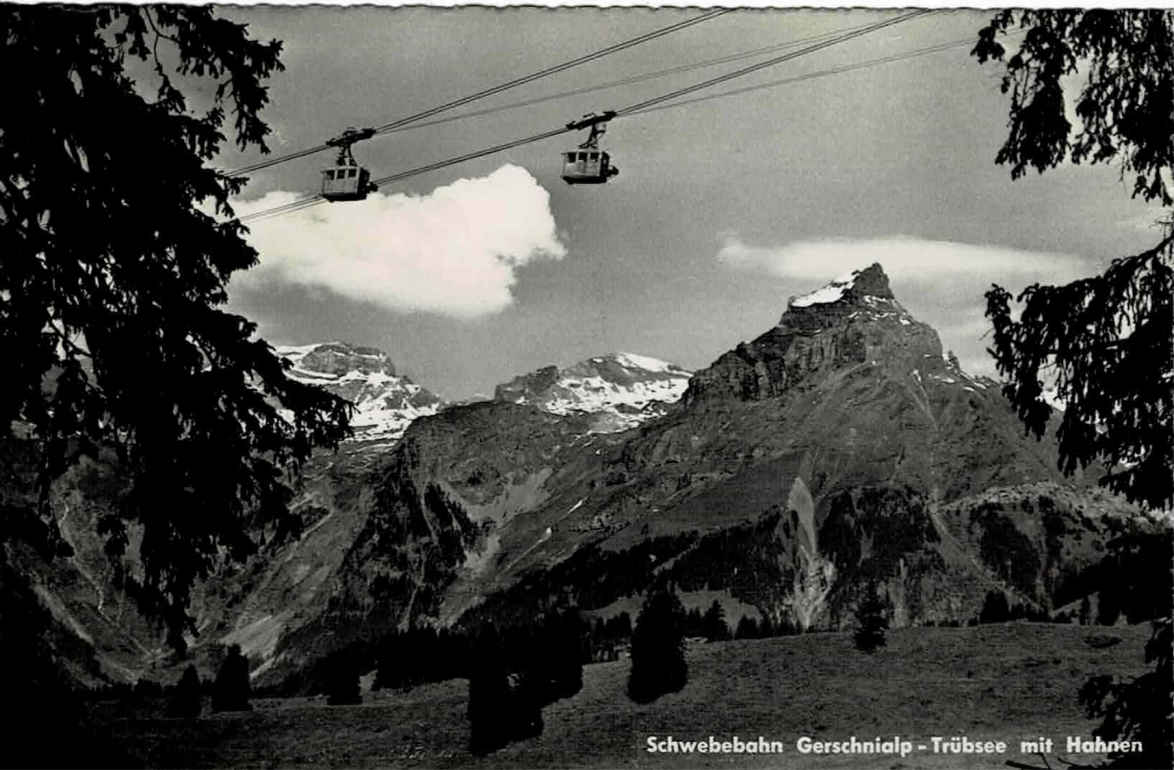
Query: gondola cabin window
[(345, 183), (584, 167)]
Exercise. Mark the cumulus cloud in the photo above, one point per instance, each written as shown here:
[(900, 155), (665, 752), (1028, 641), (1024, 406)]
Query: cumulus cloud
[(455, 251), (903, 258)]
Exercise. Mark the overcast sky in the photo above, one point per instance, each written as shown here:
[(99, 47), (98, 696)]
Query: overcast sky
[(722, 209)]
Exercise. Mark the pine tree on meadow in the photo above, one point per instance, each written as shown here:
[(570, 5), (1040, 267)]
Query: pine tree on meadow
[(871, 623), (231, 692), (187, 698), (343, 684), (995, 608), (714, 623), (747, 628), (502, 707), (558, 662), (658, 648)]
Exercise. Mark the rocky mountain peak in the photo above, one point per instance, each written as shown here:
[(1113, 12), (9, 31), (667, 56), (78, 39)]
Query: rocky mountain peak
[(385, 402), (855, 320), (851, 288), (338, 358), (621, 389), (864, 290)]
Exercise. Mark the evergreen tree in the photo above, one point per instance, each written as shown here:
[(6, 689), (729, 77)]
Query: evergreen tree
[(871, 623), (658, 648), (694, 623), (747, 628), (388, 667), (502, 707), (1104, 341), (1123, 106), (1108, 609), (343, 683), (622, 626), (119, 243), (714, 623), (1137, 709), (187, 698), (558, 663), (524, 707), (231, 691), (995, 608), (488, 693)]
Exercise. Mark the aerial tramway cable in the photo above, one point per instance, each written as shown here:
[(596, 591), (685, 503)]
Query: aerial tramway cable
[(813, 75), (630, 80), (640, 107), (387, 127)]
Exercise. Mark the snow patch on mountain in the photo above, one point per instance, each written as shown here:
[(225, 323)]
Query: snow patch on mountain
[(832, 292), (647, 363)]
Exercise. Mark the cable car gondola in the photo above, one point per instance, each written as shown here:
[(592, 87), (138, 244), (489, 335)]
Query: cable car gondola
[(588, 164), (347, 180)]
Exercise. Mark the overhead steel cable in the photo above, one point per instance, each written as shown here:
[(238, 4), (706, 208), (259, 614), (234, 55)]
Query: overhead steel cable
[(631, 80), (387, 127), (812, 75), (639, 107), (967, 41), (552, 70)]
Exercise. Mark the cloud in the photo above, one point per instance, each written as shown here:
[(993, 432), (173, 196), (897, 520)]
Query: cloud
[(904, 259), (455, 251)]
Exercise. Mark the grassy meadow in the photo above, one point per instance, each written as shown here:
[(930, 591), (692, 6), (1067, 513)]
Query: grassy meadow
[(997, 682)]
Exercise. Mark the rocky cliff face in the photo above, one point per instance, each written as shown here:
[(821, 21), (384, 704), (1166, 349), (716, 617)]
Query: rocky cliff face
[(619, 390)]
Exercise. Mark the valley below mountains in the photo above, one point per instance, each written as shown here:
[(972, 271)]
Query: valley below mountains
[(841, 452)]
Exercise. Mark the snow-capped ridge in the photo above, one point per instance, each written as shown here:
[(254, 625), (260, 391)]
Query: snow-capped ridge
[(622, 389), (385, 403), (830, 292), (869, 283), (647, 363)]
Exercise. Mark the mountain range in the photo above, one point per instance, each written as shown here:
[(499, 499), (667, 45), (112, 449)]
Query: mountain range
[(840, 452), (619, 390)]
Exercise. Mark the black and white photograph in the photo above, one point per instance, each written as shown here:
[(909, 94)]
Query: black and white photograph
[(585, 386)]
